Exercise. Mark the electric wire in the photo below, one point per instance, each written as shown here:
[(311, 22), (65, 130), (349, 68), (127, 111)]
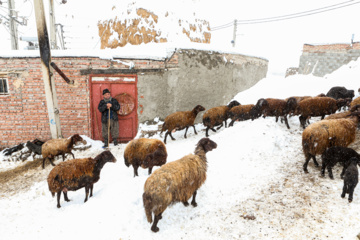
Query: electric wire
[(288, 16)]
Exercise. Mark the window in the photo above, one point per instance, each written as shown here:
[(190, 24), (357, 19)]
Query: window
[(3, 86)]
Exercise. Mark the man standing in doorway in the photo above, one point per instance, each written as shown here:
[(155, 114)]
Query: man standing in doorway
[(109, 103)]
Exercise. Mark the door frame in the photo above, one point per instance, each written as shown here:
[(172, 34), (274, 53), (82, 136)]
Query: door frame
[(92, 117)]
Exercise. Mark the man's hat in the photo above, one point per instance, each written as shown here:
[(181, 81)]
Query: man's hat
[(106, 91)]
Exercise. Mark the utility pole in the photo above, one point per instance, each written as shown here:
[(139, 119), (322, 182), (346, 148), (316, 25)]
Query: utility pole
[(53, 42), (48, 76), (13, 25), (234, 33)]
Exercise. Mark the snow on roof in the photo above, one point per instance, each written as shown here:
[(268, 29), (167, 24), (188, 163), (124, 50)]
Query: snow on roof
[(153, 51)]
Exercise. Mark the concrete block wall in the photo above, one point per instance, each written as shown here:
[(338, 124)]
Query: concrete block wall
[(324, 59)]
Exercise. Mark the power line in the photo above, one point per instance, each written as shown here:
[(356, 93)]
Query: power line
[(291, 16), (288, 16)]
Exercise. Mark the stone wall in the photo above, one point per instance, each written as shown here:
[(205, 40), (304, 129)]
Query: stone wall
[(324, 59)]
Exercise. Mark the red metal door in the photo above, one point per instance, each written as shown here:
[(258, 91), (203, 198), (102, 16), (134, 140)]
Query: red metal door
[(124, 89)]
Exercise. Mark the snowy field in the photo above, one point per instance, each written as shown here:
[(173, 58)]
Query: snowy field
[(255, 187)]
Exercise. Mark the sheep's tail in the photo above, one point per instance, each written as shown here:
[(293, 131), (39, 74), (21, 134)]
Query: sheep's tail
[(148, 206)]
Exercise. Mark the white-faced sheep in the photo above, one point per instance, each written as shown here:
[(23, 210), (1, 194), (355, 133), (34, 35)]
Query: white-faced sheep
[(336, 154), (77, 173), (317, 107), (54, 147), (180, 120), (176, 182), (279, 108), (319, 136), (351, 179), (217, 116), (146, 153)]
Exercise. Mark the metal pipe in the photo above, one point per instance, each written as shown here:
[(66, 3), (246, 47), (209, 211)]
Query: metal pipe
[(61, 73)]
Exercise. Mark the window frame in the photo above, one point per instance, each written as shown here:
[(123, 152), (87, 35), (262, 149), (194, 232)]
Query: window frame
[(4, 78)]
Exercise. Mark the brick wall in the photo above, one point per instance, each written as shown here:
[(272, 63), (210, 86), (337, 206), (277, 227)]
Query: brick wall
[(324, 59), (23, 112), (164, 86)]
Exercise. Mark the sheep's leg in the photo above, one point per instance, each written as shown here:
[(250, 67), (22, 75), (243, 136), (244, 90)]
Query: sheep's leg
[(286, 122), (219, 126), (72, 155), (344, 191), (308, 157), (154, 227), (232, 123), (43, 164), (193, 202), (51, 161), (172, 138), (91, 190), (302, 121), (207, 132), (63, 156), (225, 123), (323, 167), (86, 193), (165, 137), (185, 203), (351, 192), (343, 172), (150, 170), (66, 197), (315, 162), (186, 131), (276, 118), (136, 170), (330, 172), (194, 129), (58, 195)]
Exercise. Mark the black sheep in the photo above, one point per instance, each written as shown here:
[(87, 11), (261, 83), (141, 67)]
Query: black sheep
[(351, 179), (34, 148), (336, 154), (340, 92), (9, 151)]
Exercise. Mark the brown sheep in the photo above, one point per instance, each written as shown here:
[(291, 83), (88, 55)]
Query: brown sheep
[(180, 120), (176, 182), (77, 173), (246, 112), (317, 107), (241, 113), (55, 147), (343, 114), (355, 102), (319, 136), (146, 153), (279, 108), (216, 116)]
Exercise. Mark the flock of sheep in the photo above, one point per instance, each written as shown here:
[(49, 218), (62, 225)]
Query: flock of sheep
[(177, 181)]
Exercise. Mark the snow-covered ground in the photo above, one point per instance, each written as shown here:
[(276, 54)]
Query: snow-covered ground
[(255, 188)]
